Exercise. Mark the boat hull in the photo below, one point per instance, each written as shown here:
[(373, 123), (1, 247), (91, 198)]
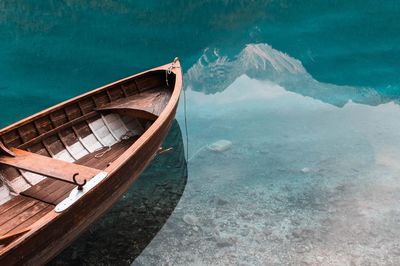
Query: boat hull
[(59, 233), (53, 232)]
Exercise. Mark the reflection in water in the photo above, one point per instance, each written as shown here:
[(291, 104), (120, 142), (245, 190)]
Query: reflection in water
[(214, 72), (120, 236), (305, 182), (66, 47)]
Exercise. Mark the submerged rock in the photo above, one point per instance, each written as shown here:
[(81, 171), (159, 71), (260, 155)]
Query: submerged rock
[(221, 202), (191, 219), (224, 240), (220, 145), (305, 170)]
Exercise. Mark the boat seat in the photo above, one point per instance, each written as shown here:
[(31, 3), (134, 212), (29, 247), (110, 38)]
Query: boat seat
[(146, 104), (49, 167), (53, 191), (50, 191)]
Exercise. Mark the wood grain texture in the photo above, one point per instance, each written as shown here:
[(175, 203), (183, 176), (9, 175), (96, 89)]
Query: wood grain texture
[(148, 103), (49, 167), (64, 125), (50, 191), (17, 215), (102, 163)]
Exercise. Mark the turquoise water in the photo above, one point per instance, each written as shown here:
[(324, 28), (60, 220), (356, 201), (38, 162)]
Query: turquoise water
[(305, 92), (52, 50)]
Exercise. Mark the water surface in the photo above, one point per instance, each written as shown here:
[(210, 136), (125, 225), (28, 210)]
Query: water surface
[(306, 92)]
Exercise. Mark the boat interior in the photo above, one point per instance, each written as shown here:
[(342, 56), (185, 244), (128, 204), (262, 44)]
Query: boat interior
[(44, 157)]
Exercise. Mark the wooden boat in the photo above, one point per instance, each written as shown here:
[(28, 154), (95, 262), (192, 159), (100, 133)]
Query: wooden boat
[(62, 168)]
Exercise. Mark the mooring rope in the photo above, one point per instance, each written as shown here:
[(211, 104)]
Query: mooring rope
[(186, 125), (197, 152), (168, 72)]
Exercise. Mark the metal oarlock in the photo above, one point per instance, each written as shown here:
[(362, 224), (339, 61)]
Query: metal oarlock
[(80, 186)]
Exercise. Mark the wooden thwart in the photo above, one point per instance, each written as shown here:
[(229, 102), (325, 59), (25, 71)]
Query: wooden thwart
[(49, 167)]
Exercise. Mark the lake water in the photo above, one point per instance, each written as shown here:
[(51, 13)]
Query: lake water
[(305, 94)]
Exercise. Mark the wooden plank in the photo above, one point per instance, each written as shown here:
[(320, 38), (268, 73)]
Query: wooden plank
[(58, 118), (43, 124), (49, 167), (130, 112), (109, 127), (26, 203), (148, 104), (22, 216), (116, 93), (124, 91), (55, 146), (8, 237), (87, 105), (25, 225), (80, 139), (9, 174), (27, 132), (49, 191), (101, 163), (56, 130), (108, 95), (60, 195), (10, 204), (64, 142), (42, 189), (11, 138), (95, 134)]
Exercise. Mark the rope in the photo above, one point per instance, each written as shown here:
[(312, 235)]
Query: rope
[(129, 134), (101, 154), (197, 152), (186, 125), (168, 72)]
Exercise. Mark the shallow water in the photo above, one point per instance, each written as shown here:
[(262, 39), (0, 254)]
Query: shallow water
[(121, 235), (306, 92), (305, 182)]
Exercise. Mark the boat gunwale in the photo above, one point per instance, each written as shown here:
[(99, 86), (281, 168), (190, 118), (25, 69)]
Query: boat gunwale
[(75, 99)]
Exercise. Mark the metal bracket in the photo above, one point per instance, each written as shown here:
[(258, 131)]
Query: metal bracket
[(79, 191)]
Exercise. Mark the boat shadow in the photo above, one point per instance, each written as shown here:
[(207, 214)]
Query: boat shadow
[(129, 226)]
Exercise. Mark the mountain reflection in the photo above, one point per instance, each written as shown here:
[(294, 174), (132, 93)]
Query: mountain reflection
[(215, 72)]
